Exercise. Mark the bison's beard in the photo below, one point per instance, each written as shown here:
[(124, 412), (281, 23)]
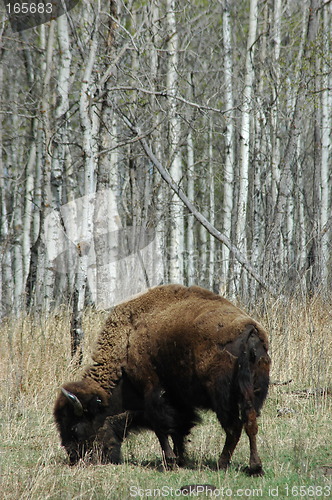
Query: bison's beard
[(104, 449)]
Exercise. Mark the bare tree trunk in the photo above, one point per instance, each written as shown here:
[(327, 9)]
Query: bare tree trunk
[(38, 276), (275, 164), (156, 139), (211, 273), (204, 192), (280, 210), (44, 289), (108, 182), (228, 190), (28, 207), (6, 276), (326, 104), (60, 150), (191, 195), (243, 180), (61, 110), (90, 127), (259, 154), (176, 209)]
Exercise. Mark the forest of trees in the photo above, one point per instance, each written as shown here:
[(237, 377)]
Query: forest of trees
[(146, 142)]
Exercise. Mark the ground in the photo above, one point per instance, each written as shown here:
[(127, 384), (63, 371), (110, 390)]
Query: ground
[(294, 440)]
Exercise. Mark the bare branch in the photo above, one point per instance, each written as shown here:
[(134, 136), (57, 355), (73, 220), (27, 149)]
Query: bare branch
[(198, 216), (168, 95)]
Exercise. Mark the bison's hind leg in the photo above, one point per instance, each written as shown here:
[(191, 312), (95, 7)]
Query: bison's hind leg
[(233, 433), (251, 428), (253, 380), (224, 399)]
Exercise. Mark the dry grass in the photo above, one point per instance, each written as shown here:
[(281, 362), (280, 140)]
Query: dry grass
[(301, 342), (295, 447)]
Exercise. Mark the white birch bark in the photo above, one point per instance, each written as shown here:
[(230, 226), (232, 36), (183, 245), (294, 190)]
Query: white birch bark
[(274, 251), (6, 275), (3, 202), (39, 277), (326, 130), (288, 242), (260, 152), (28, 206), (17, 224), (211, 270), (107, 272), (176, 208), (45, 275), (90, 123), (273, 177), (275, 163), (61, 154), (243, 181), (160, 240), (315, 253), (301, 224), (228, 192), (17, 254), (29, 236), (60, 149), (106, 227), (203, 235), (191, 194)]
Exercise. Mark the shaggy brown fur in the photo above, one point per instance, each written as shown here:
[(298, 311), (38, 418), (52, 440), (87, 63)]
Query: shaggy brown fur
[(158, 313), (161, 356)]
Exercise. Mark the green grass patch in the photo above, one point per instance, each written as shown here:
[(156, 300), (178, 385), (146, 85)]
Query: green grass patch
[(294, 449)]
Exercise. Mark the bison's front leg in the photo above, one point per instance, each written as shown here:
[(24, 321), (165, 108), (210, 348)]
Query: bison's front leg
[(110, 436), (179, 450), (169, 457)]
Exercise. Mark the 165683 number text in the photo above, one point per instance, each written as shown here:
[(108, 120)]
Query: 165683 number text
[(29, 8)]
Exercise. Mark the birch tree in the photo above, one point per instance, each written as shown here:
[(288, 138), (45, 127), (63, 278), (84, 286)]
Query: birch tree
[(40, 279), (211, 269), (326, 103), (243, 175), (176, 245), (228, 176), (90, 126), (284, 186), (191, 195)]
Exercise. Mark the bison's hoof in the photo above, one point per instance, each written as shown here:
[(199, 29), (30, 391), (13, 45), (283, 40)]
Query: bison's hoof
[(170, 463), (255, 471), (223, 464)]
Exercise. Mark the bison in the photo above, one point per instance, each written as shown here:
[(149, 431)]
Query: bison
[(160, 358)]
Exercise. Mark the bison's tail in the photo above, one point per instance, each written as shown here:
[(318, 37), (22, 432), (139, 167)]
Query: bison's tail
[(253, 372)]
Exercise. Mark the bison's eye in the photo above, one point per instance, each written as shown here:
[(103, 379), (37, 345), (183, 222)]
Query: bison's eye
[(95, 406)]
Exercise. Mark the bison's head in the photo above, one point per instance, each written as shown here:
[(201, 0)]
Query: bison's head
[(80, 410)]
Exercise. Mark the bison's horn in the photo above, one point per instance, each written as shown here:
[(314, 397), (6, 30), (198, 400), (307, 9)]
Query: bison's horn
[(74, 401)]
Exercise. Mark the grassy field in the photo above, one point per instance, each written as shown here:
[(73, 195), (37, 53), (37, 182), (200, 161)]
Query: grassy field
[(295, 436)]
